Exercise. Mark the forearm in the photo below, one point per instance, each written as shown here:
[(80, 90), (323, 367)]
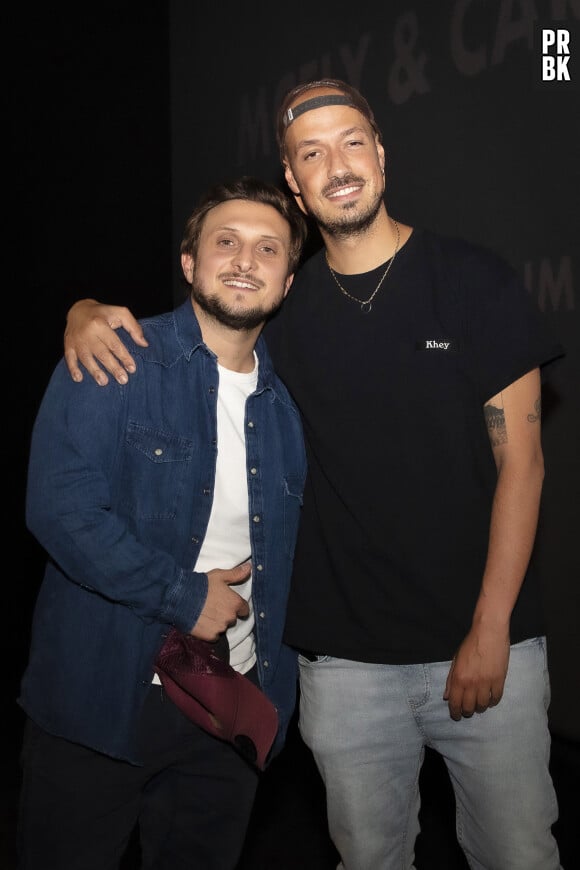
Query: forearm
[(477, 675), (97, 550), (513, 525)]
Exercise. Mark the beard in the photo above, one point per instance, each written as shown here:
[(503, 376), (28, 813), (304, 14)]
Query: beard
[(352, 221), (238, 319)]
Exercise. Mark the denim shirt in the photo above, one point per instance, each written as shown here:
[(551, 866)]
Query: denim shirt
[(120, 490)]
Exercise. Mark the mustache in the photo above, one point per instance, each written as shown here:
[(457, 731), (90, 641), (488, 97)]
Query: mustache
[(337, 183)]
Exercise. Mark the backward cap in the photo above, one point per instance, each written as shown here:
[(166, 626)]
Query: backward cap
[(348, 95)]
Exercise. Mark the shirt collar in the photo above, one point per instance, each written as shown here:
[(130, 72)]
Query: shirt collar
[(189, 337)]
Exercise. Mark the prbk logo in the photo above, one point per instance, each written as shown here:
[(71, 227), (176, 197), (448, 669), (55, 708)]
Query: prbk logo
[(555, 55)]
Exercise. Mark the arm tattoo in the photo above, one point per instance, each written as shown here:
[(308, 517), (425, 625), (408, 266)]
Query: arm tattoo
[(533, 418), (495, 422)]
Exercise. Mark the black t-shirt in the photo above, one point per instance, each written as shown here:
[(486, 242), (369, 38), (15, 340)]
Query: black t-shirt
[(394, 529)]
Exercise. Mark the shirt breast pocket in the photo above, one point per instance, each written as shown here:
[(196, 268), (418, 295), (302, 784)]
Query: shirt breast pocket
[(154, 471)]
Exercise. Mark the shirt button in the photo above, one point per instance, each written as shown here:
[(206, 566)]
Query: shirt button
[(253, 470), (195, 540), (259, 567), (211, 390), (207, 491), (158, 451), (250, 425), (256, 518), (214, 441), (266, 663), (262, 614)]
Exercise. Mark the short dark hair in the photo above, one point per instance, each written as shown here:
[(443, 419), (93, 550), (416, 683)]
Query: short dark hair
[(252, 190), (356, 100)]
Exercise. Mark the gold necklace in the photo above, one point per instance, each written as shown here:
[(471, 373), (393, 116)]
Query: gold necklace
[(366, 304)]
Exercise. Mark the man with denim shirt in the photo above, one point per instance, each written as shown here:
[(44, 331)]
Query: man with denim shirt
[(152, 499)]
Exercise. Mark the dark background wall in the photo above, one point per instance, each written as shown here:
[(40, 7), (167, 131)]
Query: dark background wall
[(120, 114), (89, 168)]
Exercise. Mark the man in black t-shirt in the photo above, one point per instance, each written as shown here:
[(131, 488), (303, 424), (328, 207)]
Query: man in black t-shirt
[(416, 363)]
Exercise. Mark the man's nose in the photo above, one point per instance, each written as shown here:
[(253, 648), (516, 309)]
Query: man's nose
[(337, 164), (244, 258)]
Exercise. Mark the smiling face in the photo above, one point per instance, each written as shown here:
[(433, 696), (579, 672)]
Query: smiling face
[(335, 167), (240, 273)]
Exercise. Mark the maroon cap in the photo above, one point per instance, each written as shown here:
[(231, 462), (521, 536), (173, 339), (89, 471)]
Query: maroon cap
[(216, 697)]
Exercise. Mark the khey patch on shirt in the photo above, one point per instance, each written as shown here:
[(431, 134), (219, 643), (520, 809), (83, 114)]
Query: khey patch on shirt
[(448, 345)]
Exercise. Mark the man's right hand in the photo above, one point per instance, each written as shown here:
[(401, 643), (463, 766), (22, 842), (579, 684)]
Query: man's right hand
[(90, 339), (223, 606)]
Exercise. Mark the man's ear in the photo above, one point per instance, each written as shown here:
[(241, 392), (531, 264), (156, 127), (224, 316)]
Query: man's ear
[(187, 267), (288, 284), (291, 182), (382, 156)]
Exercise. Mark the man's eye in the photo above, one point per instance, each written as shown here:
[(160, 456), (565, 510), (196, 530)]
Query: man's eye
[(268, 249), (308, 155), (225, 242)]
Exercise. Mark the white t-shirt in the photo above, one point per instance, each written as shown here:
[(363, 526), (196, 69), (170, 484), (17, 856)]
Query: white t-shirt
[(227, 541)]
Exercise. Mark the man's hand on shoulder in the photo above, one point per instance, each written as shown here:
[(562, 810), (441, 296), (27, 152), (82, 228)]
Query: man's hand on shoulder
[(90, 339)]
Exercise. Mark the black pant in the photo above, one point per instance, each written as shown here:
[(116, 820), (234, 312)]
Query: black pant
[(192, 799)]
